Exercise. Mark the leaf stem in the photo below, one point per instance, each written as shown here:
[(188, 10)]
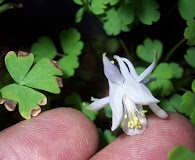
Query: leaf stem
[(173, 49), (86, 6)]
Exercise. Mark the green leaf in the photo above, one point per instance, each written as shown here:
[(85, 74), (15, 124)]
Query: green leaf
[(162, 86), (41, 76), (189, 32), (181, 153), (146, 11), (91, 114), (178, 71), (163, 70), (79, 15), (146, 51), (28, 99), (188, 103), (1, 1), (108, 111), (113, 2), (113, 19), (79, 2), (68, 65), (109, 136), (186, 9), (173, 104), (190, 56), (18, 66), (126, 13), (193, 85), (75, 101), (98, 7), (44, 48), (5, 7), (70, 42)]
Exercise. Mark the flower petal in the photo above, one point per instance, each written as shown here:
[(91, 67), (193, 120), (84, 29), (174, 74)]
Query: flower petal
[(139, 93), (158, 111), (131, 68), (111, 71), (124, 70), (147, 71), (115, 99), (98, 104)]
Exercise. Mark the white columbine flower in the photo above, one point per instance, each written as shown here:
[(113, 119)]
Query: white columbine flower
[(127, 94)]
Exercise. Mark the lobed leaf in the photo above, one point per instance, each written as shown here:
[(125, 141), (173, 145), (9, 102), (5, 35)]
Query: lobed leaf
[(162, 85), (98, 7), (43, 76), (189, 32), (190, 56), (113, 2), (146, 11), (186, 9), (18, 66), (70, 42), (178, 71), (146, 51), (28, 99), (44, 48), (126, 13), (68, 65), (113, 19), (79, 15)]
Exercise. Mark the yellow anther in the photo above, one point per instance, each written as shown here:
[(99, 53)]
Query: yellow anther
[(125, 116), (144, 111), (122, 124)]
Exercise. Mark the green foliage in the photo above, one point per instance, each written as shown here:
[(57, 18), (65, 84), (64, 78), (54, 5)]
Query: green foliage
[(172, 104), (146, 11), (186, 9), (181, 153), (108, 111), (162, 86), (112, 18), (146, 51), (41, 76), (120, 16), (189, 32), (188, 103), (75, 101), (190, 56), (7, 6), (71, 46), (43, 48), (109, 136)]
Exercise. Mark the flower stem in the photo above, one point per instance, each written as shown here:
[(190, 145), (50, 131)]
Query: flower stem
[(124, 47), (173, 49)]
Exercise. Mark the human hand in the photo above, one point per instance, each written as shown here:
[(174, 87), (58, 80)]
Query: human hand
[(67, 134)]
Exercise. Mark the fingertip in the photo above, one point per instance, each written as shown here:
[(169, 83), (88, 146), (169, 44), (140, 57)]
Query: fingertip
[(59, 134), (160, 136)]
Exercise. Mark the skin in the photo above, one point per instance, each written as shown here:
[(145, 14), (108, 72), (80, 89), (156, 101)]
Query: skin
[(65, 133)]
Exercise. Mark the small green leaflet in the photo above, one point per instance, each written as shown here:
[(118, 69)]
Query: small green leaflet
[(146, 51), (98, 7), (113, 19), (162, 85), (188, 103), (44, 48), (72, 46), (189, 32), (146, 11), (190, 56), (41, 76), (186, 9), (181, 153), (75, 101)]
